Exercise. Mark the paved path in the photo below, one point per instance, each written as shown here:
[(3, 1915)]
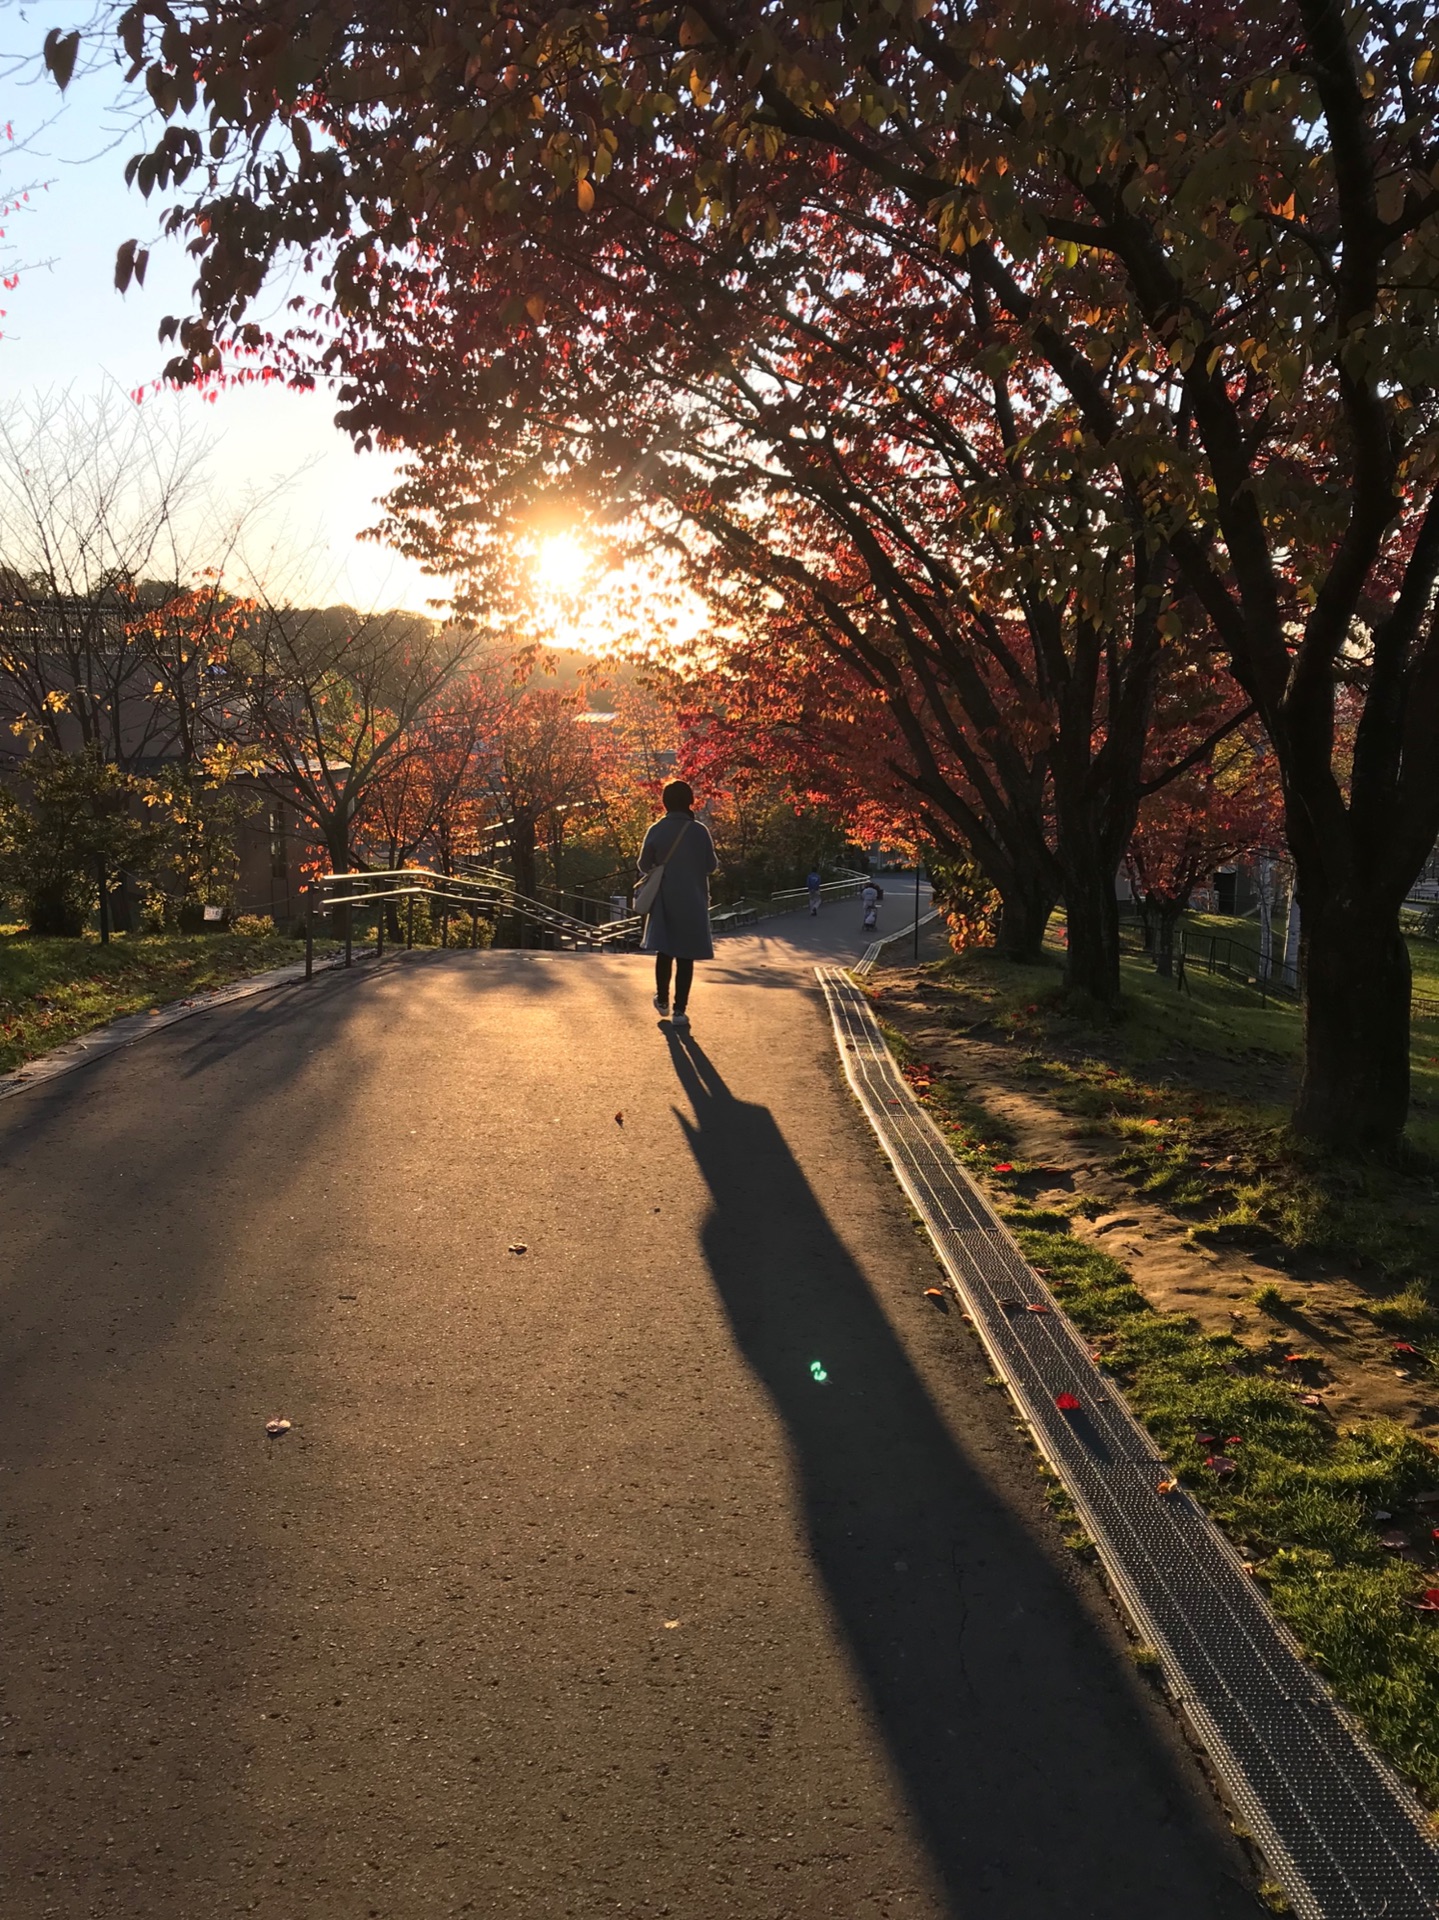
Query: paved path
[(571, 1592)]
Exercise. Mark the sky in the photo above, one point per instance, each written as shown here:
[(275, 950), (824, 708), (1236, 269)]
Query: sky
[(65, 327)]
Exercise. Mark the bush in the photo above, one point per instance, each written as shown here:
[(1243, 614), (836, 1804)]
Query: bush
[(81, 817), (253, 926)]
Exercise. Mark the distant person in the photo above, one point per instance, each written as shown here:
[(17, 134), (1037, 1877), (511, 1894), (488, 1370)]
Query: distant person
[(870, 896), (814, 882), (677, 925)]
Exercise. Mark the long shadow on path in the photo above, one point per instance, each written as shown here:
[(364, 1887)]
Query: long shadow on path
[(1038, 1780)]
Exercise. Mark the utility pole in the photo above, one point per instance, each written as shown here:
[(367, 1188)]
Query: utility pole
[(916, 905)]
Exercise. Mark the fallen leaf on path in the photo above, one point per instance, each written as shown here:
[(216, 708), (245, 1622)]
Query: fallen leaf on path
[(519, 1247), (1310, 1400), (1067, 1402), (1037, 1306), (276, 1427), (934, 1293), (1395, 1541), (619, 1119), (1168, 1487), (1003, 1166), (671, 1623)]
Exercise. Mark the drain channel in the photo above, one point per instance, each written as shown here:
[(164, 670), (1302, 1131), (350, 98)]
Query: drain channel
[(1341, 1832)]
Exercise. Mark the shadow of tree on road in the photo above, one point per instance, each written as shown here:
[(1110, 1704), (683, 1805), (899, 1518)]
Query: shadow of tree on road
[(1035, 1776)]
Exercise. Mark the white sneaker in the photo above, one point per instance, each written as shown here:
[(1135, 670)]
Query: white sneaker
[(662, 1007), (681, 1023)]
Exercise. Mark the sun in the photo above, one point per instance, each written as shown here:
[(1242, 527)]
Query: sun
[(562, 563)]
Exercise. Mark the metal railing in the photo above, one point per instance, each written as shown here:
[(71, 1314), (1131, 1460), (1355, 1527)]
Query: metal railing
[(1237, 960), (456, 895)]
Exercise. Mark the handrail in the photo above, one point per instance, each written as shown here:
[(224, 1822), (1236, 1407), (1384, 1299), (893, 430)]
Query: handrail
[(489, 896), (1280, 978)]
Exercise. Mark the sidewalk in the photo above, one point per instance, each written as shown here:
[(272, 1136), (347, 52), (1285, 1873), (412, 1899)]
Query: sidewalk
[(680, 1563)]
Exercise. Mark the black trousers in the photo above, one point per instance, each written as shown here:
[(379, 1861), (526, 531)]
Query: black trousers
[(684, 972)]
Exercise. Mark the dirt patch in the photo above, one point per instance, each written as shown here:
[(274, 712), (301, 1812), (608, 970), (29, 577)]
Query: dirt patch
[(1322, 1314)]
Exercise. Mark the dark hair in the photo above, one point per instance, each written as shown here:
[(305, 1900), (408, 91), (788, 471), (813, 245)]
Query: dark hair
[(678, 796)]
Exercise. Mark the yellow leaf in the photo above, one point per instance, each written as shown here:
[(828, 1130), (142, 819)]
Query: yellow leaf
[(585, 194), (535, 305), (1423, 66)]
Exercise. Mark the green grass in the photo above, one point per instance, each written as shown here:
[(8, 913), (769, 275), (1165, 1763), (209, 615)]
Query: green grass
[(1302, 1501), (1194, 1090), (52, 991)]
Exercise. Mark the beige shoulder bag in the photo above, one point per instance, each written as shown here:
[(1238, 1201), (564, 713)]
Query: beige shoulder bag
[(648, 890)]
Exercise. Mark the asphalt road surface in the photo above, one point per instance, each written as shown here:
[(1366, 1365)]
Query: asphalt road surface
[(683, 1563)]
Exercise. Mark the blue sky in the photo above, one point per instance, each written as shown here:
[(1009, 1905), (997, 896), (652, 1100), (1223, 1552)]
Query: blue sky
[(65, 326)]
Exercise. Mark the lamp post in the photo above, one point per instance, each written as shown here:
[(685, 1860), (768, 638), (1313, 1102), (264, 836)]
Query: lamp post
[(916, 906)]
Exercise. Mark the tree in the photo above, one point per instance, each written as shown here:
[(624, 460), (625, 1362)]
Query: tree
[(1227, 808), (432, 798), (81, 820), (928, 529), (1238, 212), (538, 765), (324, 704), (91, 497)]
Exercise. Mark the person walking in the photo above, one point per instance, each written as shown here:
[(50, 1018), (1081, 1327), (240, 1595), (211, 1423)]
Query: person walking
[(814, 882), (677, 918), (871, 894)]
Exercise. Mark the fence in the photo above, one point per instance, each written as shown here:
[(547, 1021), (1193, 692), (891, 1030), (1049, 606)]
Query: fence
[(1218, 953)]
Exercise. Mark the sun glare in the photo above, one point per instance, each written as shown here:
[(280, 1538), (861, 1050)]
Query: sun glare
[(561, 563)]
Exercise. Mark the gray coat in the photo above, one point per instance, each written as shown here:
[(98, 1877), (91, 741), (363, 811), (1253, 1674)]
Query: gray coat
[(679, 921)]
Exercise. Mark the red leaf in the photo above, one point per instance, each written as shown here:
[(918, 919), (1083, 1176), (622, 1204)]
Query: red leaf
[(1003, 1166), (1067, 1402)]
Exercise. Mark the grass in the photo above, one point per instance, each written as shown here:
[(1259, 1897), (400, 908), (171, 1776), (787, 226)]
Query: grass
[(52, 991), (1194, 1089), (1306, 1500)]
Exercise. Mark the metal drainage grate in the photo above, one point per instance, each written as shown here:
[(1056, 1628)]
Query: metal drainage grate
[(1341, 1832)]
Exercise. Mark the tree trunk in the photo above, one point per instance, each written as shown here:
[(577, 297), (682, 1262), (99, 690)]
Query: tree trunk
[(1170, 913), (1026, 902), (1092, 912), (338, 848), (523, 855), (524, 865), (1355, 1090)]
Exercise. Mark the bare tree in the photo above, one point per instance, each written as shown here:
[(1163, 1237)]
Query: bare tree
[(108, 623), (326, 704)]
